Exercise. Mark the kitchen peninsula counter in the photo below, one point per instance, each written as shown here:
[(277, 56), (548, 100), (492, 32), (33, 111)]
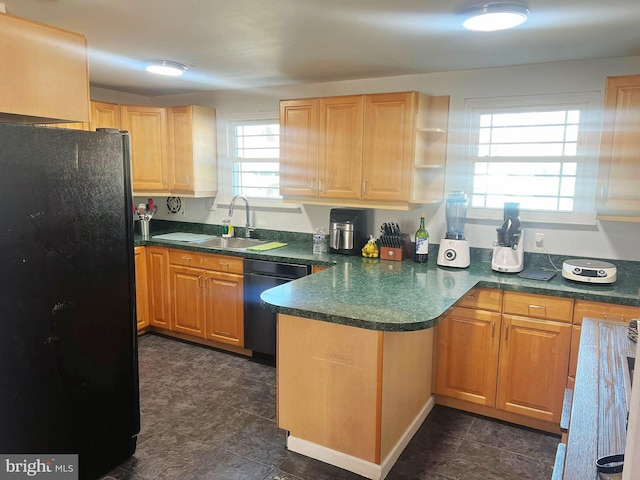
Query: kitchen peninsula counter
[(406, 296)]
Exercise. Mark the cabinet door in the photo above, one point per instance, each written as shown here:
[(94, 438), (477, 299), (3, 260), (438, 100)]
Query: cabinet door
[(181, 148), (142, 302), (618, 191), (158, 286), (467, 355), (340, 146), (389, 145), (148, 130), (44, 73), (192, 151), (299, 147), (224, 307), (105, 115), (187, 300), (534, 362)]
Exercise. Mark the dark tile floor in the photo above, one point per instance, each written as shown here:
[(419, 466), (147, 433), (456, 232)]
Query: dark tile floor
[(207, 414)]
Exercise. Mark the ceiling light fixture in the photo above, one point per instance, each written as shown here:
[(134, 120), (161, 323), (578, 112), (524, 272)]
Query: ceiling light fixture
[(491, 17), (164, 67)]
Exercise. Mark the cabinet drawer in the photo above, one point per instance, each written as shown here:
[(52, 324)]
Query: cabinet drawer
[(223, 263), (538, 306), (185, 258), (482, 299), (604, 311)]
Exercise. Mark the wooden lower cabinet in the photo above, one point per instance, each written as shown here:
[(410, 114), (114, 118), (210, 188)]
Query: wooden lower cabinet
[(507, 366), (187, 300), (534, 358), (224, 307), (142, 303), (467, 355), (607, 312), (207, 303), (158, 287)]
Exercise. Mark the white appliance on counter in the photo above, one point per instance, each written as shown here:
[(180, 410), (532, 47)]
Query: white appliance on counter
[(589, 271), (508, 251), (454, 249)]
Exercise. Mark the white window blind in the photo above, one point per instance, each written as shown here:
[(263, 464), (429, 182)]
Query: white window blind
[(535, 154), (254, 150)]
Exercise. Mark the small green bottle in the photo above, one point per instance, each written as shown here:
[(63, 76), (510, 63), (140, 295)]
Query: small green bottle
[(422, 243)]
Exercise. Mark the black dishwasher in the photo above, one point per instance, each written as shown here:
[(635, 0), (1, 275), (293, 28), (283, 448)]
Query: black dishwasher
[(260, 324)]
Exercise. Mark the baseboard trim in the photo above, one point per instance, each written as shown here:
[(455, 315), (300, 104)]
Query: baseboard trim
[(357, 465)]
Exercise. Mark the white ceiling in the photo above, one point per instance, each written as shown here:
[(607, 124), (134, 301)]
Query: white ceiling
[(257, 43)]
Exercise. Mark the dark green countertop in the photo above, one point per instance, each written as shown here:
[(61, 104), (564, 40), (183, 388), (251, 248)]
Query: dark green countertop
[(399, 296)]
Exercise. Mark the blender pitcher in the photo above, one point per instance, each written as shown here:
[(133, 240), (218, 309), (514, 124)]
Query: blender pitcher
[(454, 249), (456, 213)]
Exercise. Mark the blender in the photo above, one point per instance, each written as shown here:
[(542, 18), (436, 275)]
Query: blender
[(454, 249), (508, 252)]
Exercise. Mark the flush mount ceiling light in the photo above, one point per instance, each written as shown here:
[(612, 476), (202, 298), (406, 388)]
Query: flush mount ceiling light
[(491, 17), (164, 67)]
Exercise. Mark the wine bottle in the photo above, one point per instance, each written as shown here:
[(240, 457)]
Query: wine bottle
[(422, 243)]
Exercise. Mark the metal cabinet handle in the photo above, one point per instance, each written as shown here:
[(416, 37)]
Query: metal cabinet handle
[(471, 296), (493, 329), (506, 332), (613, 318), (199, 281), (320, 185), (364, 186), (541, 308)]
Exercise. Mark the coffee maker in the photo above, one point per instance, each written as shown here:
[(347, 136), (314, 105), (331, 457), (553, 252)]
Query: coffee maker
[(508, 251), (454, 249), (348, 230)]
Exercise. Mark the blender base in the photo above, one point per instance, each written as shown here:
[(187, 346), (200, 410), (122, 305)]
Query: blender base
[(454, 253)]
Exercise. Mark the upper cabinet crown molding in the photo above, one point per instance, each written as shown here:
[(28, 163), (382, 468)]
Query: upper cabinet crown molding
[(618, 196), (383, 150), (45, 76)]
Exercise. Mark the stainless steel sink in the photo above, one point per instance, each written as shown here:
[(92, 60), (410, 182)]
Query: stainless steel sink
[(233, 243)]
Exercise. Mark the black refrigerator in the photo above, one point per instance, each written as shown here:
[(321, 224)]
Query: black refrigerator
[(68, 343)]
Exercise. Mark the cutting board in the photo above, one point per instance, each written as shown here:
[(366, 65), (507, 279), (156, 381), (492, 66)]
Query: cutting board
[(184, 237), (267, 246)]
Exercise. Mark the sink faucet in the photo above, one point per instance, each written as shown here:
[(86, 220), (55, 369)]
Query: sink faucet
[(248, 228)]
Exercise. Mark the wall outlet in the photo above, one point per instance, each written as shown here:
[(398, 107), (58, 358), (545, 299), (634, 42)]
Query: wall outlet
[(539, 242)]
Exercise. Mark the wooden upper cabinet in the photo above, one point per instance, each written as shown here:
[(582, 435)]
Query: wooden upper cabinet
[(148, 129), (105, 115), (299, 147), (45, 77), (340, 146), (388, 146), (361, 149), (192, 151), (618, 193)]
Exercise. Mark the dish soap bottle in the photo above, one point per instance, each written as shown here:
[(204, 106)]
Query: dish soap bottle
[(227, 228), (422, 243)]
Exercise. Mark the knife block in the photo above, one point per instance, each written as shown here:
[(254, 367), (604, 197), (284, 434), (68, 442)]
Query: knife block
[(390, 253)]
